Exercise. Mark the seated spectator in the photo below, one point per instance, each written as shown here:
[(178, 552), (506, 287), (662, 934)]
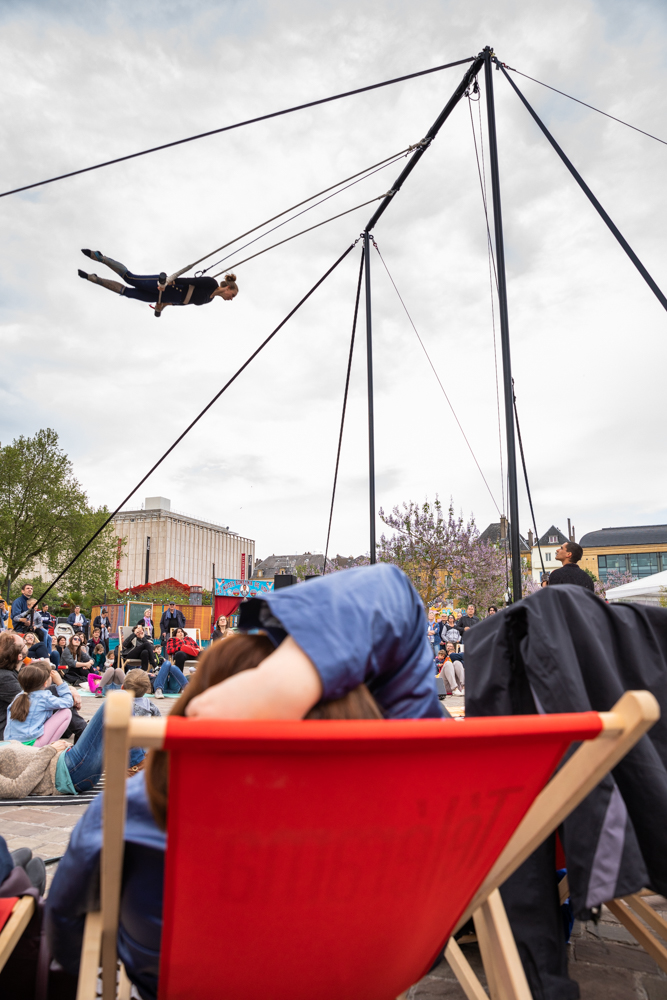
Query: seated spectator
[(170, 678), (452, 670), (147, 799), (78, 621), (182, 647), (137, 682), (468, 620), (56, 654), (246, 677), (113, 677), (48, 620), (54, 769), (222, 629), (448, 631), (95, 640), (34, 868), (12, 648), (450, 650), (76, 660), (36, 715), (36, 650), (138, 646), (38, 624)]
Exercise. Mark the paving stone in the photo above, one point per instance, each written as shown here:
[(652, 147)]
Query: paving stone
[(598, 982), (611, 932), (437, 988), (620, 956), (655, 988)]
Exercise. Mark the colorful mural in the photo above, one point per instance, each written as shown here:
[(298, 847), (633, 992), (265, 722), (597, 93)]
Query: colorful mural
[(242, 588)]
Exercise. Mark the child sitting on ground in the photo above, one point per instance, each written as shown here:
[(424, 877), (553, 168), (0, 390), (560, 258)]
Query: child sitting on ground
[(138, 683), (113, 677), (36, 716)]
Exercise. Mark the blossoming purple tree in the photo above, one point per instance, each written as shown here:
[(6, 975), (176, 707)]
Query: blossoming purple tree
[(442, 554)]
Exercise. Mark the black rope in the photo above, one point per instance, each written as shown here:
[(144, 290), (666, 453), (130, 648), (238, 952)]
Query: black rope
[(481, 173), (525, 476), (444, 391), (657, 291), (227, 128), (197, 419), (605, 113), (366, 174), (342, 417)]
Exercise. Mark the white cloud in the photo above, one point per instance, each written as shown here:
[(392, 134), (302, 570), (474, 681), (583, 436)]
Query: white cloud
[(588, 337)]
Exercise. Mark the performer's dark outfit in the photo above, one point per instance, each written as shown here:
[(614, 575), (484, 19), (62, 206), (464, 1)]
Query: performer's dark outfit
[(183, 291)]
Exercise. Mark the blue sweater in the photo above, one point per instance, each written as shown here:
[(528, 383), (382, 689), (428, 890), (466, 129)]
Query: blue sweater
[(42, 706), (374, 632)]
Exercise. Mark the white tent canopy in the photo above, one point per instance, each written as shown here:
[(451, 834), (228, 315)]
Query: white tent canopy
[(648, 590)]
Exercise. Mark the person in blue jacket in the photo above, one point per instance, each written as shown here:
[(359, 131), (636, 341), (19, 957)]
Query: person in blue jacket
[(376, 636)]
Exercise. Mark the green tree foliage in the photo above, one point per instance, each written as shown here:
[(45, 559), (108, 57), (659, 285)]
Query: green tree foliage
[(45, 518)]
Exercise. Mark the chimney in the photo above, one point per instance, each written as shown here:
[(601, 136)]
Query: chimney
[(531, 540)]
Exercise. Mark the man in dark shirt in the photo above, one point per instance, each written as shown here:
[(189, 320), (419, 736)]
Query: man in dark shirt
[(467, 620), (152, 287), (569, 555)]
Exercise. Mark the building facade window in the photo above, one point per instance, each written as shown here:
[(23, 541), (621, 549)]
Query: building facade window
[(639, 564)]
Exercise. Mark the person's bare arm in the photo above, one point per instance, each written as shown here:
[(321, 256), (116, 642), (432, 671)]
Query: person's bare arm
[(285, 685)]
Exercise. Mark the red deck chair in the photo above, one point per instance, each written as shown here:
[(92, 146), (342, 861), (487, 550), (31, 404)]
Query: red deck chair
[(15, 915), (346, 855)]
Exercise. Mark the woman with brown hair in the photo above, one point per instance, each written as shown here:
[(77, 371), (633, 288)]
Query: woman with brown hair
[(222, 629), (375, 661), (76, 660)]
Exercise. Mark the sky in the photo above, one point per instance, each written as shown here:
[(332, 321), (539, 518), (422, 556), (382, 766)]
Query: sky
[(86, 83)]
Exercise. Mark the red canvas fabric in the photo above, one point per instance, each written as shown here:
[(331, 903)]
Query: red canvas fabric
[(330, 859), (6, 906), (224, 606)]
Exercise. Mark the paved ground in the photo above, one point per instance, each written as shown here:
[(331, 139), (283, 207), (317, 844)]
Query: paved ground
[(605, 960)]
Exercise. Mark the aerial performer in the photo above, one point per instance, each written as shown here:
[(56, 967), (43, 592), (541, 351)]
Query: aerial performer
[(153, 287)]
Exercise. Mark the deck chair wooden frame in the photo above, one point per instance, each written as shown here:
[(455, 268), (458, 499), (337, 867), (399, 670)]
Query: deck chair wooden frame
[(622, 727), (16, 923), (630, 718)]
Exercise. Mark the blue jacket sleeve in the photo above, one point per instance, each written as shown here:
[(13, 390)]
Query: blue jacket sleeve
[(364, 625), (75, 889)]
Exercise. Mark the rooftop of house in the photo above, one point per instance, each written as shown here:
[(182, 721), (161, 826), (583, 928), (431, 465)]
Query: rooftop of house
[(642, 534), (492, 534), (554, 536)]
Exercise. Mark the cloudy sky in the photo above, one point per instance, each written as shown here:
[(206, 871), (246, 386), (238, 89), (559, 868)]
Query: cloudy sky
[(86, 82)]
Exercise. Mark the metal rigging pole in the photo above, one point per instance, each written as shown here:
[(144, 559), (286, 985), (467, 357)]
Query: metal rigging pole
[(512, 490), (369, 369)]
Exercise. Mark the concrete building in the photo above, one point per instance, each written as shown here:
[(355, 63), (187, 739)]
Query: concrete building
[(640, 550), (161, 543)]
